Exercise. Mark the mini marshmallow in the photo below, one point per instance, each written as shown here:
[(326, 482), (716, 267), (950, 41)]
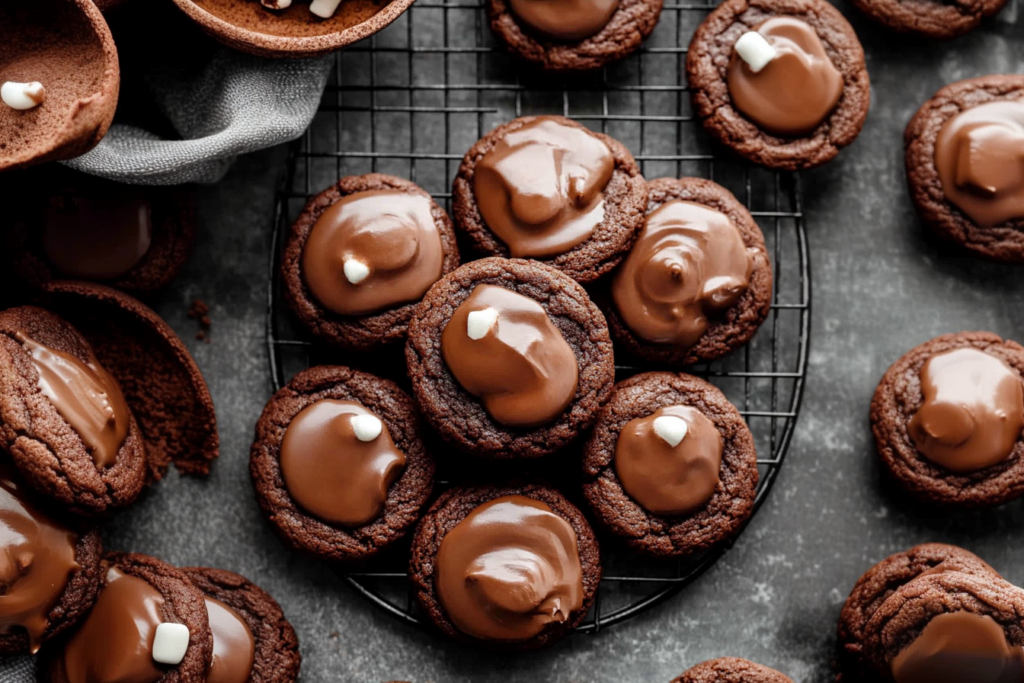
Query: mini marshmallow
[(479, 323), (277, 4), (671, 429), (755, 50), (324, 8), (22, 96), (356, 271), (367, 427), (170, 643)]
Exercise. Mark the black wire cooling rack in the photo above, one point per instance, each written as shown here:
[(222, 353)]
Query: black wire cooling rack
[(411, 100)]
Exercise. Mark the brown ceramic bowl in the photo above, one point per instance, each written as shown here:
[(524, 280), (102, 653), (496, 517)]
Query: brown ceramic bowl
[(295, 32)]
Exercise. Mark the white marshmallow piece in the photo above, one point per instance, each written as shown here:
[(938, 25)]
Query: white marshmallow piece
[(356, 271), (367, 427), (479, 323), (22, 96), (755, 50), (324, 8), (671, 429), (277, 4), (170, 643)]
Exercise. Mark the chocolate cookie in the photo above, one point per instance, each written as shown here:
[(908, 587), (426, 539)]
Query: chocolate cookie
[(947, 420), (929, 18), (396, 241), (987, 221), (793, 110), (573, 36), (64, 420), (670, 499), (731, 670), (585, 242), (274, 655), (880, 582), (728, 246), (481, 602), (350, 508), (502, 400)]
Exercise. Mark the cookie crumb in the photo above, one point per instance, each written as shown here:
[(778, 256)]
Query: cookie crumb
[(200, 312)]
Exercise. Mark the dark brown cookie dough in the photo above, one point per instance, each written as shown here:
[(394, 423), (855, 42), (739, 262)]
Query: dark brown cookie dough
[(625, 203), (406, 496), (461, 418), (708, 59), (277, 657), (930, 18), (898, 397), (740, 322), (880, 582), (720, 518), (454, 506), (1004, 242), (628, 28), (357, 333), (46, 450), (731, 670)]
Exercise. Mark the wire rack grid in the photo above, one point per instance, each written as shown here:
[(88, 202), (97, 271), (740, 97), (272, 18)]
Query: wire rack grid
[(410, 100)]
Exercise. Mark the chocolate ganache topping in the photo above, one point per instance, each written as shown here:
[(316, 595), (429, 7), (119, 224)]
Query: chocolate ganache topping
[(669, 461), (234, 648), (98, 238), (979, 155), (973, 410), (960, 647), (688, 263), (372, 251), (37, 557), (568, 20), (503, 348), (115, 642), (338, 461), (541, 189), (85, 395), (509, 569), (794, 92)]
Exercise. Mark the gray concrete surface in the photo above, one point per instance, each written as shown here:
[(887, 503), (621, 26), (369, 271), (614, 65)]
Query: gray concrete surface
[(880, 287)]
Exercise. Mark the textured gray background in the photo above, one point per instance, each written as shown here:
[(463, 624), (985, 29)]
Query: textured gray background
[(880, 287)]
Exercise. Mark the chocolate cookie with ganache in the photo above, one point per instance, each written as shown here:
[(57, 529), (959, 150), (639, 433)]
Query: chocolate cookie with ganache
[(50, 570), (964, 154), (930, 18), (670, 466), (880, 582), (252, 640), (572, 35), (513, 567), (548, 189), (361, 255), (149, 625), (781, 82), (947, 420), (509, 359), (731, 670), (338, 464), (698, 282)]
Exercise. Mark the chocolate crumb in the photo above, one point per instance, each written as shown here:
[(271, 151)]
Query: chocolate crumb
[(200, 311)]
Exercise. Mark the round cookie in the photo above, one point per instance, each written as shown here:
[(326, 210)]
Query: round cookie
[(1004, 242), (451, 508), (929, 18), (731, 670), (277, 658), (363, 332), (405, 497), (624, 206), (461, 418), (732, 502), (741, 321), (630, 24), (881, 581), (899, 397), (707, 64)]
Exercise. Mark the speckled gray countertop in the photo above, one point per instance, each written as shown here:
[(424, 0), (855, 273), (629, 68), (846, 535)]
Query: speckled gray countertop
[(879, 287)]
